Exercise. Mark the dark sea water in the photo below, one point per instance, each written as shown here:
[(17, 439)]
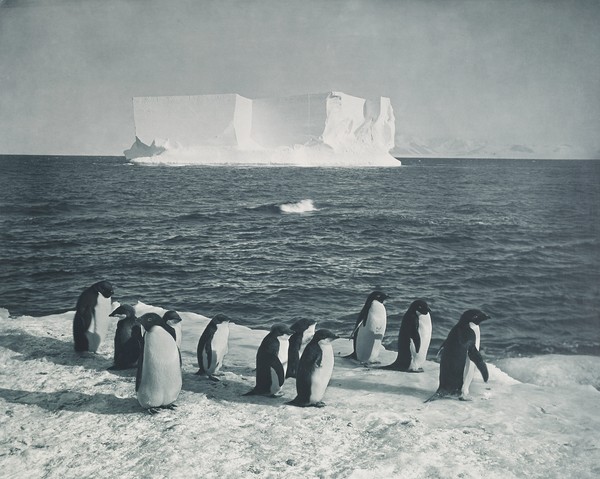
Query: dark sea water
[(518, 239)]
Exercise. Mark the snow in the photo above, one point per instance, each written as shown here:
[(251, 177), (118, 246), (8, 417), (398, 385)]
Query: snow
[(67, 416), (323, 129)]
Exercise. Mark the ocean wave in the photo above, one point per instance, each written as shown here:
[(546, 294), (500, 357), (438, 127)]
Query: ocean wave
[(303, 206)]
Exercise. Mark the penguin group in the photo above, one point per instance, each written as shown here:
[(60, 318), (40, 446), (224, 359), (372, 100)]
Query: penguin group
[(152, 343)]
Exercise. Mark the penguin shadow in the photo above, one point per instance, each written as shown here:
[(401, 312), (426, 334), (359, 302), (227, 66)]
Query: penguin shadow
[(67, 400), (123, 373), (231, 387), (369, 383), (53, 350), (355, 384)]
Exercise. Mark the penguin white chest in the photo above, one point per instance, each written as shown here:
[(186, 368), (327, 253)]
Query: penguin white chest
[(418, 358), (161, 379), (282, 355), (284, 346), (369, 336), (99, 323), (469, 371), (219, 347), (322, 374)]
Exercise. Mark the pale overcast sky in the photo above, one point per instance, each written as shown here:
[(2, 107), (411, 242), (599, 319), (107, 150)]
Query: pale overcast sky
[(514, 71)]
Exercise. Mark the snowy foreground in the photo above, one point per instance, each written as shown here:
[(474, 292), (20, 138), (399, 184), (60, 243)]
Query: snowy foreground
[(65, 416)]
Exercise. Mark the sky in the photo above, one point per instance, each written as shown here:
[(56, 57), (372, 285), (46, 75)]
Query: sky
[(515, 72)]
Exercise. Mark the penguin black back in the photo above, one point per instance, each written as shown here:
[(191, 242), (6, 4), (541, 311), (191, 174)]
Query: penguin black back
[(268, 364), (128, 338), (296, 339), (85, 311), (409, 329), (459, 347)]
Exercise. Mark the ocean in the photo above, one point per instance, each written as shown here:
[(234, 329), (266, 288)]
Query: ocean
[(519, 239)]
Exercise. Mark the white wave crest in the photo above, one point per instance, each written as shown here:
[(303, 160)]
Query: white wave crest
[(302, 206)]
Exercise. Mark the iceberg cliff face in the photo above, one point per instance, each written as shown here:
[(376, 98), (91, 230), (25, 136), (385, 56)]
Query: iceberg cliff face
[(323, 129)]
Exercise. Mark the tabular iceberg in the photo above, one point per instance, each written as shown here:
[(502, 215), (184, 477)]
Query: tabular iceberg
[(321, 129)]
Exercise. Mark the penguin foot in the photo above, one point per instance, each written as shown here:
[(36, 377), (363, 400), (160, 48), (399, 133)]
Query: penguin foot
[(437, 395), (153, 411), (170, 407), (420, 370), (463, 397), (212, 377), (200, 372), (319, 404), (276, 395)]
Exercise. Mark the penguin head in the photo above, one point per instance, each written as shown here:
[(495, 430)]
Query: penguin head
[(302, 325), (324, 335), (420, 306), (171, 317), (104, 288), (220, 318), (149, 320), (474, 316), (281, 330), (126, 310), (377, 296)]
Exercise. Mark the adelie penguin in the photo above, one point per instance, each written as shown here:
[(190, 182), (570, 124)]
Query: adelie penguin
[(213, 346), (271, 362), (128, 338), (314, 370), (91, 320), (174, 320), (304, 330), (158, 381), (459, 357), (369, 329), (413, 339)]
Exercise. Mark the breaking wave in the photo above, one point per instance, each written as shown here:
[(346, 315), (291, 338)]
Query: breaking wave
[(303, 206)]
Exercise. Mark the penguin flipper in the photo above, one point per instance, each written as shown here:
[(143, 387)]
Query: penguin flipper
[(475, 356), (81, 323), (208, 351), (311, 360), (278, 368)]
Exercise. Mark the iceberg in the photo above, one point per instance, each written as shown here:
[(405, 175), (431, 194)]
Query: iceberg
[(331, 129)]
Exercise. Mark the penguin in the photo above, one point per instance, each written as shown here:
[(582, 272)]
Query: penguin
[(174, 320), (413, 339), (90, 323), (304, 330), (271, 362), (213, 346), (159, 379), (460, 355), (128, 339), (314, 370), (369, 329)]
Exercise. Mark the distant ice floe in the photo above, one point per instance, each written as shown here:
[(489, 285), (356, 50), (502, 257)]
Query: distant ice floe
[(312, 130)]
